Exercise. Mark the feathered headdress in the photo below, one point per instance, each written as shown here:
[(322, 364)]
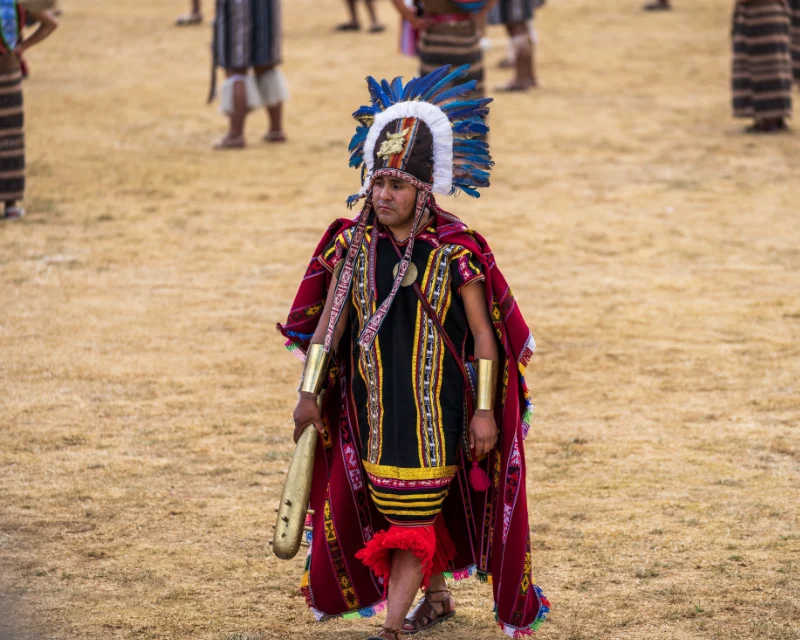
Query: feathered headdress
[(427, 132), (432, 109)]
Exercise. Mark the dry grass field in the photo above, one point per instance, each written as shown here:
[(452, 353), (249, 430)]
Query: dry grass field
[(146, 398)]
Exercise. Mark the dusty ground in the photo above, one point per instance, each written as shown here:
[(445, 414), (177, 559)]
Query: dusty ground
[(146, 400)]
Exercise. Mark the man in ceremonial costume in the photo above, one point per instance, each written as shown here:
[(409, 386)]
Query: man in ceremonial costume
[(411, 332)]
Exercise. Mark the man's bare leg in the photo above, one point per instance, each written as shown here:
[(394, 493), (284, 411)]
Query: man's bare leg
[(438, 584), (195, 15), (658, 5), (404, 583), (353, 24), (375, 26), (234, 139), (523, 57), (275, 132), (274, 111)]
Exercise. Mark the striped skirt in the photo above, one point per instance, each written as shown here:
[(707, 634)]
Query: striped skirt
[(247, 33), (12, 135), (512, 11), (454, 43), (762, 62), (795, 4)]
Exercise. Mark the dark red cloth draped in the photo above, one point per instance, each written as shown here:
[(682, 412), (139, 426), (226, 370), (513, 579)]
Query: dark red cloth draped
[(489, 529)]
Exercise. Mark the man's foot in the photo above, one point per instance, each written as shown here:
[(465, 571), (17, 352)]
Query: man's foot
[(517, 85), (385, 633), (657, 6), (228, 141), (377, 28), (430, 611), (776, 125), (189, 19), (348, 26), (275, 136), (14, 213)]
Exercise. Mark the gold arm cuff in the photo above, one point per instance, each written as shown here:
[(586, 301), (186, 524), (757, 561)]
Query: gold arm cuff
[(317, 360), (487, 385)]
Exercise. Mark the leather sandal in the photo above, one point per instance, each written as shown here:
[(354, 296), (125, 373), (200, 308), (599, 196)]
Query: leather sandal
[(425, 616), (385, 633)]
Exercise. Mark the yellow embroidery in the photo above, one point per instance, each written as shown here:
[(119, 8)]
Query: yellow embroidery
[(403, 473), (413, 496), (409, 513), (394, 144), (395, 503)]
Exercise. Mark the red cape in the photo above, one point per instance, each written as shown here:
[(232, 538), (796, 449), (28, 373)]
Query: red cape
[(490, 529)]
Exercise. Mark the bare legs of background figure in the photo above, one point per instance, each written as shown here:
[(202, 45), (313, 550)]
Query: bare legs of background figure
[(658, 5), (523, 62), (195, 15), (355, 25), (237, 114)]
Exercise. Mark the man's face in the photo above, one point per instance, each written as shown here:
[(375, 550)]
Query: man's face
[(394, 201)]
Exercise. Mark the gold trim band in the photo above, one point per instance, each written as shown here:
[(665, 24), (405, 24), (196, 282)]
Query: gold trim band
[(317, 360), (412, 496), (409, 512), (403, 473), (487, 384), (400, 503)]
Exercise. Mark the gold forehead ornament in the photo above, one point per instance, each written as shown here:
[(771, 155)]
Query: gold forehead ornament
[(394, 144)]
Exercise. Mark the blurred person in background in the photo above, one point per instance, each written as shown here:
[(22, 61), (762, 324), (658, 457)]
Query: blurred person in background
[(518, 16), (762, 64), (447, 32), (13, 17), (247, 34), (795, 5), (355, 25), (658, 5), (195, 15)]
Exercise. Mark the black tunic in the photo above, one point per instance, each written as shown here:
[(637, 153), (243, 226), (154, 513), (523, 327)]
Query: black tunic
[(407, 390)]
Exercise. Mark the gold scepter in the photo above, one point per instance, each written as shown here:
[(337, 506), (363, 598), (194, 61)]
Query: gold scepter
[(294, 502), (292, 510)]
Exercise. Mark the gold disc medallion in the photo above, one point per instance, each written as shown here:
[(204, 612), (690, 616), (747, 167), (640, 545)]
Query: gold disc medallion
[(410, 277)]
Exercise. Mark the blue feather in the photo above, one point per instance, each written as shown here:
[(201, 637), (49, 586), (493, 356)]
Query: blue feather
[(467, 112), (473, 172), (466, 104), (365, 115), (483, 163), (470, 144), (379, 98), (470, 191), (387, 89), (356, 161), (427, 82), (397, 89), (460, 72), (410, 88), (351, 201), (455, 92), (473, 126), (359, 137)]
